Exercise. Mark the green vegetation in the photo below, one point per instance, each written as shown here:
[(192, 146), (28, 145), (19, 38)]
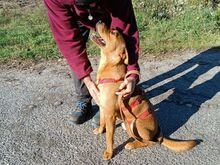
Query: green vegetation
[(164, 26), (26, 34), (172, 25)]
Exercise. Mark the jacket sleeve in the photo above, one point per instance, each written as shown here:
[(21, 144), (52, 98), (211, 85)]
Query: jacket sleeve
[(68, 37), (123, 18)]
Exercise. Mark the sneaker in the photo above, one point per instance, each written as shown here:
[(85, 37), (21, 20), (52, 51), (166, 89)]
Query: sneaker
[(81, 113), (96, 119)]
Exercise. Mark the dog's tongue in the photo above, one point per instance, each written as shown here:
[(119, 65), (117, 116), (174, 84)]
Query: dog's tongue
[(98, 40)]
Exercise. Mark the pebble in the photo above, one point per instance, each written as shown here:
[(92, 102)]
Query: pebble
[(145, 86), (58, 103), (40, 98), (32, 106), (70, 95), (168, 99), (181, 102), (189, 105)]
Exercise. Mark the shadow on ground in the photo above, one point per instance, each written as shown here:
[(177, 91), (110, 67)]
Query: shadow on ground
[(187, 96)]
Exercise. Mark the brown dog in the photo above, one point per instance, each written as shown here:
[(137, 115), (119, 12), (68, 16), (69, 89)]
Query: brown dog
[(136, 112)]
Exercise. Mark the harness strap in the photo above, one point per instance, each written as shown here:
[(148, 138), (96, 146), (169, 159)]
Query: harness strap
[(144, 115), (112, 80), (109, 80), (136, 102)]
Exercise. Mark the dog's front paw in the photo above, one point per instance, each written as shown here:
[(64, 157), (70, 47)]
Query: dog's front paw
[(107, 155), (98, 130)]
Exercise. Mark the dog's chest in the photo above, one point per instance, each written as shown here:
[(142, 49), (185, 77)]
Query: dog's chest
[(107, 94)]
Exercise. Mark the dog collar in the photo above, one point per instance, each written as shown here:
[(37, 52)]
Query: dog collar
[(109, 80)]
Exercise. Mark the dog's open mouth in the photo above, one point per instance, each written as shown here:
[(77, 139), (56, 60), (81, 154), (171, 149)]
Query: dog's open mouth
[(98, 40)]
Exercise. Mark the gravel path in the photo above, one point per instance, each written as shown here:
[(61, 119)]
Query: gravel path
[(36, 126)]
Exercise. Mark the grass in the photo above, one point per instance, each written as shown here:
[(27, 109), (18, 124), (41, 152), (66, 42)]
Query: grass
[(195, 29), (25, 33)]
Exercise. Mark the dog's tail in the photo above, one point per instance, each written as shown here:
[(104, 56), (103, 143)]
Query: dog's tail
[(178, 145)]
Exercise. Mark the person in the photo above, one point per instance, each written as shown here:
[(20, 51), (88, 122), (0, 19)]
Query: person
[(71, 22)]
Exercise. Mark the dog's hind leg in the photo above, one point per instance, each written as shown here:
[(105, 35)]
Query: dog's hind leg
[(144, 139)]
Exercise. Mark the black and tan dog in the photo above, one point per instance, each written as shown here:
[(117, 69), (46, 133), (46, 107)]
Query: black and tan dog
[(136, 112)]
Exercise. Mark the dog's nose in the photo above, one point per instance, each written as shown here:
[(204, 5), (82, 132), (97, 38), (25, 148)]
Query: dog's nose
[(98, 23)]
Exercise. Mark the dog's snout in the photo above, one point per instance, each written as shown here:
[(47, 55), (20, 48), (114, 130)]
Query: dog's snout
[(98, 23)]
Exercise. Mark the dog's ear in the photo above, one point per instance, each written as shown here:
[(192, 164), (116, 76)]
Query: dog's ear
[(124, 55)]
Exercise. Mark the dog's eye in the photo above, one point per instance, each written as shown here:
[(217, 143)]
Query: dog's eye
[(114, 32)]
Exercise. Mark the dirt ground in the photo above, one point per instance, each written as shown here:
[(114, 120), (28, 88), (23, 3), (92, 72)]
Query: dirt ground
[(36, 100)]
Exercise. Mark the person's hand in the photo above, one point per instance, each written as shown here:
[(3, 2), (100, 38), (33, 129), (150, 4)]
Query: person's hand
[(127, 87), (93, 90)]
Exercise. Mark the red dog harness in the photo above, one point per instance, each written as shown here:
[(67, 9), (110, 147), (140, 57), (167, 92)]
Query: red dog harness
[(132, 105), (109, 80), (135, 103)]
